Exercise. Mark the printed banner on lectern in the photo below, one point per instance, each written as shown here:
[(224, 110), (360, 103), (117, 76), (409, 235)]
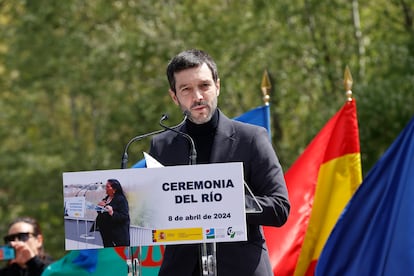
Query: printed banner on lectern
[(168, 205)]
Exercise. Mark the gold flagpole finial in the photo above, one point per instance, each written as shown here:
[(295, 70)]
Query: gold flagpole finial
[(266, 86), (348, 83)]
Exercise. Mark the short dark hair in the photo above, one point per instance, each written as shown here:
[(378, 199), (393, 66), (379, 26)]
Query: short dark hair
[(189, 59)]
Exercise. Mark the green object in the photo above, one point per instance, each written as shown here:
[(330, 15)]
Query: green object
[(109, 262)]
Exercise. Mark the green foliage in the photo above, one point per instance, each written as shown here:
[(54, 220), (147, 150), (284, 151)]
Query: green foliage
[(78, 79)]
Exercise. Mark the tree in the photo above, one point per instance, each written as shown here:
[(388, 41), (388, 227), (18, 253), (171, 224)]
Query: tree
[(79, 78)]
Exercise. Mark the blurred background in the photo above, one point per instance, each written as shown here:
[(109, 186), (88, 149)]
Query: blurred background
[(79, 78)]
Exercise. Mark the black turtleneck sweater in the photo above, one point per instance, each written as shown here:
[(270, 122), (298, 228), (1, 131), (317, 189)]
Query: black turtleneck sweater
[(203, 136)]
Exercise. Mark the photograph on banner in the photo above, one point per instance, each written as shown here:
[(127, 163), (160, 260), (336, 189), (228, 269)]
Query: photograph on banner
[(154, 206)]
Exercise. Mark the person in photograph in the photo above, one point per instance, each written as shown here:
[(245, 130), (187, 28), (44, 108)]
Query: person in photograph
[(194, 88), (113, 220), (25, 236)]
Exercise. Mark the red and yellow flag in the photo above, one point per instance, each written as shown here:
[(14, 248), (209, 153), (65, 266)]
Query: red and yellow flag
[(320, 183)]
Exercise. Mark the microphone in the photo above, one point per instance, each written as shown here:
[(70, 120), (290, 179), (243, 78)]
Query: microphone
[(124, 160), (193, 152), (87, 187)]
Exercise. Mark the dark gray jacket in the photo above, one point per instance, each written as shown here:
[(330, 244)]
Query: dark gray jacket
[(233, 142)]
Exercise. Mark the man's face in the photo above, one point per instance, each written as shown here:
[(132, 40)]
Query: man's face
[(196, 92)]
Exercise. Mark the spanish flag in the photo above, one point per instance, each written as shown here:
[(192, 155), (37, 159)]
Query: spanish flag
[(320, 183)]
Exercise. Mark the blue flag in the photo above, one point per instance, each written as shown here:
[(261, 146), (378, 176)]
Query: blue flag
[(375, 234), (259, 116), (140, 164)]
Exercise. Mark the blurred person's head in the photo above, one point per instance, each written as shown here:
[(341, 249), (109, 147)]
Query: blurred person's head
[(27, 230)]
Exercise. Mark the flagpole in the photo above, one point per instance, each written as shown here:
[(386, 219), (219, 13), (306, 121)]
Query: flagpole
[(266, 86), (348, 84)]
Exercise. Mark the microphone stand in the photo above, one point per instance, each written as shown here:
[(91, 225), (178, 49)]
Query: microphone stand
[(133, 264), (193, 152), (85, 188), (124, 160), (208, 250)]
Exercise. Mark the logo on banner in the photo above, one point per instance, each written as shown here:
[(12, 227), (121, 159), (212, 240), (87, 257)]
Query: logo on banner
[(230, 232), (210, 233), (216, 233), (180, 234)]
